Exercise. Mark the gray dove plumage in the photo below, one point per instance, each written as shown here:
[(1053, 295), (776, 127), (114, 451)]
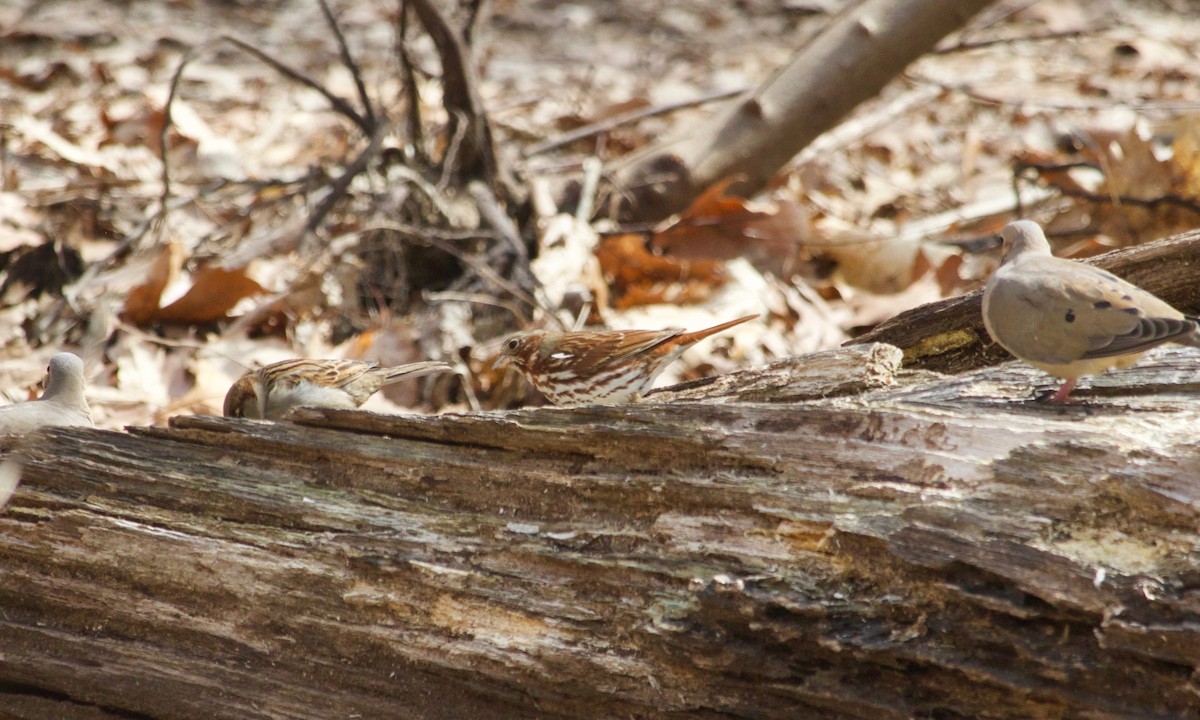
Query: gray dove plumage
[(62, 403), (1070, 319)]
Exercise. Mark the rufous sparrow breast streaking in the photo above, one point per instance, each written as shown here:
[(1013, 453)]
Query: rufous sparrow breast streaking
[(599, 367), (1071, 319), (270, 392)]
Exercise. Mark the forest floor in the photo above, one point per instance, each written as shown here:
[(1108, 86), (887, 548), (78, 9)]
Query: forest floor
[(1082, 115)]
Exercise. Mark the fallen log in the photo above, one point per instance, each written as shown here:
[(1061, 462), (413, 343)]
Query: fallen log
[(900, 544)]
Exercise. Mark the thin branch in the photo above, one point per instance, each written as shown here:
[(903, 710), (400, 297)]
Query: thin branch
[(339, 104), (412, 118), (480, 299), (339, 186), (1117, 199), (351, 65), (474, 13), (976, 45), (461, 95), (1112, 196), (493, 214), (1028, 102), (459, 130), (625, 118), (165, 131), (421, 232)]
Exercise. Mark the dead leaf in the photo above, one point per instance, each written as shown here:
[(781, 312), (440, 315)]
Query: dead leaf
[(141, 304), (1186, 155), (213, 294), (718, 226), (638, 277)]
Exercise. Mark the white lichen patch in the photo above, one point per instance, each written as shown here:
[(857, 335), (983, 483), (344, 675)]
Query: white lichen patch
[(1116, 551)]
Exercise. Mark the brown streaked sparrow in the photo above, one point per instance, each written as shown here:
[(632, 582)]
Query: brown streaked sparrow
[(599, 368), (271, 391)]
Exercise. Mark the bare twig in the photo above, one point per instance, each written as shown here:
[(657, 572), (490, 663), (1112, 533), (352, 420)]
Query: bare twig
[(1112, 196), (339, 186), (339, 104), (592, 169), (351, 65), (494, 216), (625, 118), (1041, 103), (964, 46), (1116, 199), (474, 13), (480, 299), (412, 118), (164, 131), (459, 130), (461, 98), (424, 232)]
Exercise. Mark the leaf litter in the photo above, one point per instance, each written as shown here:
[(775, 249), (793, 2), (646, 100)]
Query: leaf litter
[(297, 227)]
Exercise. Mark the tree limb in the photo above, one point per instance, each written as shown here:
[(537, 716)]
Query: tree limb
[(849, 62)]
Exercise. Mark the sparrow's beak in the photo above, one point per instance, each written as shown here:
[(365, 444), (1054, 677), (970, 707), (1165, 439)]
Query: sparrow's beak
[(500, 362)]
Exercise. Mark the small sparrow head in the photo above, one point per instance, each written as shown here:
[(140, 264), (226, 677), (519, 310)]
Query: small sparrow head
[(520, 350), (244, 399)]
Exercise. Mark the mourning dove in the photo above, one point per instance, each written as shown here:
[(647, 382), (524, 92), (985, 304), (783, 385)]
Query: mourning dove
[(1070, 319), (270, 392), (62, 404)]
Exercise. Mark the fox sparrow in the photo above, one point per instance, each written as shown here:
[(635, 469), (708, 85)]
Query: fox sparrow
[(599, 368), (271, 391)]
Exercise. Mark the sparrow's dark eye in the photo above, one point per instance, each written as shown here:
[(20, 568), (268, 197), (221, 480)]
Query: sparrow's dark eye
[(513, 344)]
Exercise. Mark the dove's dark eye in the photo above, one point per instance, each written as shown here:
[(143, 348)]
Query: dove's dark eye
[(513, 344)]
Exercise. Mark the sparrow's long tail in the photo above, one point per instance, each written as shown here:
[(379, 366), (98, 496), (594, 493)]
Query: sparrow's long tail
[(411, 371), (697, 335)]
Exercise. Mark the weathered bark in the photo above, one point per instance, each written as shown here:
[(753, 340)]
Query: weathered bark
[(949, 336), (921, 547), (847, 63)]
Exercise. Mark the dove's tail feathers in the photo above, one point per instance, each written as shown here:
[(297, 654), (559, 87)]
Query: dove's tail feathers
[(1191, 339)]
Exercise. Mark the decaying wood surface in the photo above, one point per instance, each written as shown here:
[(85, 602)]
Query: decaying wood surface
[(902, 545), (949, 336)]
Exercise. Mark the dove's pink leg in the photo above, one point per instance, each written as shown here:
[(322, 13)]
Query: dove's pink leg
[(1060, 397)]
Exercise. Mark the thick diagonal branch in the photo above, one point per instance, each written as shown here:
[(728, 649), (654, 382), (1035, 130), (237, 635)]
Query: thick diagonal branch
[(849, 62)]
